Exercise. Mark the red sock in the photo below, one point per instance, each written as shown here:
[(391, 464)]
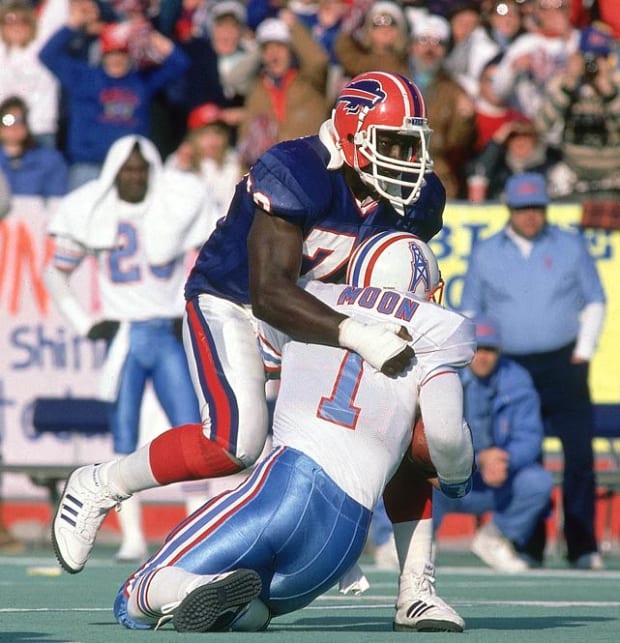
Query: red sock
[(407, 496), (184, 453)]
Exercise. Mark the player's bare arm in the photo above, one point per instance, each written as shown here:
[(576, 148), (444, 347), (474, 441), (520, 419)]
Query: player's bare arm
[(275, 254)]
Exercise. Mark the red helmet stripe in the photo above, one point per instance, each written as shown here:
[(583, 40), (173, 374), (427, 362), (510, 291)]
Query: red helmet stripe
[(377, 251)]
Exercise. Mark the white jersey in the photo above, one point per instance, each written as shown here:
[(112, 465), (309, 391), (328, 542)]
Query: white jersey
[(131, 288), (353, 421), (140, 248)]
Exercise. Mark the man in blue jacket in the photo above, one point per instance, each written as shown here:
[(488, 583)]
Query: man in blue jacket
[(503, 411), (540, 284), (108, 101)]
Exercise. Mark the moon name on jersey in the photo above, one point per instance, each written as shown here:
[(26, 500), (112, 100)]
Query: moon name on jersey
[(386, 302)]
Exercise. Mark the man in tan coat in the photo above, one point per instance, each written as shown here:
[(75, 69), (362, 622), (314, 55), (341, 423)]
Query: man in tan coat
[(449, 108), (288, 99), (373, 38)]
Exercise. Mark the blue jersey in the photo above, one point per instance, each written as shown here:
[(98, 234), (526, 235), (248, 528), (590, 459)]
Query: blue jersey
[(291, 181)]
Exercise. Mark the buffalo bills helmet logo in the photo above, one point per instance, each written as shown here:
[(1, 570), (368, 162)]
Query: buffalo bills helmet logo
[(362, 94)]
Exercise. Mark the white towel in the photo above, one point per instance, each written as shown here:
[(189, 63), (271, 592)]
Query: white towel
[(354, 581), (177, 216)]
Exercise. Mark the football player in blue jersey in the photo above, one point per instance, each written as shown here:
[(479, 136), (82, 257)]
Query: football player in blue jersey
[(299, 213)]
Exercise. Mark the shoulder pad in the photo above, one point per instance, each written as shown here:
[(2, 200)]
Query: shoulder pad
[(291, 178)]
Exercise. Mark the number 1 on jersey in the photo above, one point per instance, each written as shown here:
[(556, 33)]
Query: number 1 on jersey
[(339, 408)]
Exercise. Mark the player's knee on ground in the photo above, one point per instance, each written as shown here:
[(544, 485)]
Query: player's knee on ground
[(253, 618)]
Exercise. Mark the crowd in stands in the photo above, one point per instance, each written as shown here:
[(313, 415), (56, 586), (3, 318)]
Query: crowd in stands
[(510, 85), (31, 167)]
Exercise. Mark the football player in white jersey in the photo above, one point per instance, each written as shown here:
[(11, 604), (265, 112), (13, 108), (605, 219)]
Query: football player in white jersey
[(124, 219), (341, 428)]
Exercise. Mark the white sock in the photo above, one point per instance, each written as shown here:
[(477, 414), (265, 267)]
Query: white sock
[(131, 472), (161, 589), (130, 521), (414, 544)]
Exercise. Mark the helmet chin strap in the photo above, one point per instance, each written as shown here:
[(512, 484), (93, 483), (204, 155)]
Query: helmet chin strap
[(387, 187), (393, 189)]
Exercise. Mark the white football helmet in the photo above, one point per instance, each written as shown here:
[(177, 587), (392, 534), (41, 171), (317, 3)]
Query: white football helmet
[(398, 260)]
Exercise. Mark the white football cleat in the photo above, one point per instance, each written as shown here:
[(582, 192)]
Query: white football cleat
[(593, 560), (215, 606), (493, 548), (84, 504), (419, 609)]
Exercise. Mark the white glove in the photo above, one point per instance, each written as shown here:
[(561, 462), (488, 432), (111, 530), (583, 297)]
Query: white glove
[(376, 343)]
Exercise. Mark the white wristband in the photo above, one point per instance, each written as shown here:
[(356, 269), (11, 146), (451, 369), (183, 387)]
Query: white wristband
[(376, 342)]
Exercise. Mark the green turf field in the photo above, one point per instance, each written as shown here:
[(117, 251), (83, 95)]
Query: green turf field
[(550, 605)]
